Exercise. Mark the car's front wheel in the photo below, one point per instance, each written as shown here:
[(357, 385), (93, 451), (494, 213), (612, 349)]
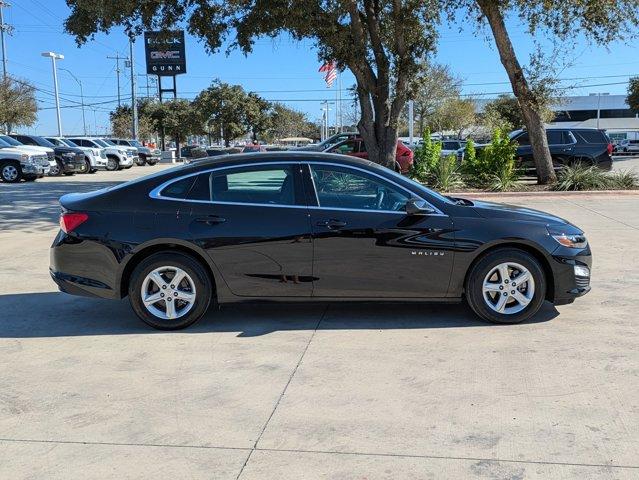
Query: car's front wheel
[(506, 286), (10, 172), (112, 164), (169, 291)]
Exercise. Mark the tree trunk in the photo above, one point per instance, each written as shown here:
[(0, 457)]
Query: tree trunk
[(521, 89)]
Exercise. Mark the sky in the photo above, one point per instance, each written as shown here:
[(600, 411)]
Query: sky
[(280, 69)]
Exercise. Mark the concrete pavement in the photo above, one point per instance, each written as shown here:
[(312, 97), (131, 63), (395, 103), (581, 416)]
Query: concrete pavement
[(344, 392)]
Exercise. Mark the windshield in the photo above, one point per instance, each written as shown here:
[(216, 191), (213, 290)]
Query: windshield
[(135, 143), (43, 142), (101, 142), (9, 140), (108, 142), (57, 142), (415, 184), (3, 143), (68, 142)]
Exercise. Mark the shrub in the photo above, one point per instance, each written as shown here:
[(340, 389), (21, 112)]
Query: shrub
[(469, 161), (445, 175), (494, 166), (426, 157), (580, 176), (624, 180)]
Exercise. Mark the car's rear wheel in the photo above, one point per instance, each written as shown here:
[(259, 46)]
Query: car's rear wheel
[(169, 291), (10, 172), (506, 286)]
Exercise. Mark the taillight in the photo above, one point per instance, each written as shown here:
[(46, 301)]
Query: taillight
[(610, 149), (70, 221)]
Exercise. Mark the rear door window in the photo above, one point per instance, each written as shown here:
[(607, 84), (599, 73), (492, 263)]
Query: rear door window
[(555, 137), (523, 139), (265, 185)]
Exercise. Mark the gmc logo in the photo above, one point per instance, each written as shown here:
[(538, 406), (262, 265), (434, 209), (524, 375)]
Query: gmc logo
[(168, 55)]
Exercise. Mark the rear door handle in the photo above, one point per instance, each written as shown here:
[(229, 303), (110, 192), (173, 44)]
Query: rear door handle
[(211, 220), (332, 224)]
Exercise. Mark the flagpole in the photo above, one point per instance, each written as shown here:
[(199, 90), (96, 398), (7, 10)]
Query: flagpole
[(339, 84)]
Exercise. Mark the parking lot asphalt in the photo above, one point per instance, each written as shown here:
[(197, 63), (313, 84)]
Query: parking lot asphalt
[(337, 392)]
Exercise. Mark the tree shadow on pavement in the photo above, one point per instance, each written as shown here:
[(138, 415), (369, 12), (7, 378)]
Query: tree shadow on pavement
[(54, 314)]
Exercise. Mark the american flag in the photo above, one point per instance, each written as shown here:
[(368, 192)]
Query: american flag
[(330, 70)]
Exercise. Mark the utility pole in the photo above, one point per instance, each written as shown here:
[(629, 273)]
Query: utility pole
[(55, 56), (117, 59), (134, 105), (84, 122), (4, 28)]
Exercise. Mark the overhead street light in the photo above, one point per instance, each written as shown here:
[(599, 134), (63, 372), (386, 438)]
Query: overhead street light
[(84, 123), (55, 56)]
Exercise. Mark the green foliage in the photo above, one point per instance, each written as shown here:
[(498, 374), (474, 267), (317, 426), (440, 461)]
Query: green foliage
[(469, 161), (122, 118), (18, 106), (581, 177), (288, 122), (633, 94), (588, 177), (494, 166), (445, 175), (427, 155)]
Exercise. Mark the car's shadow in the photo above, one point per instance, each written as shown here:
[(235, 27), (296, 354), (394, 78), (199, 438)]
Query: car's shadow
[(54, 314)]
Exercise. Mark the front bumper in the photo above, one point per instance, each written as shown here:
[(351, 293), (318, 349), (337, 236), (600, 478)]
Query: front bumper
[(34, 170), (569, 284), (72, 164)]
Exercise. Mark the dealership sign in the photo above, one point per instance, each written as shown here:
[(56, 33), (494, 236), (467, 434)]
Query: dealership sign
[(165, 53)]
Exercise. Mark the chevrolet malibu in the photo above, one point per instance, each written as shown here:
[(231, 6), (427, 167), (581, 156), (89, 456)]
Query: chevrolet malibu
[(297, 226)]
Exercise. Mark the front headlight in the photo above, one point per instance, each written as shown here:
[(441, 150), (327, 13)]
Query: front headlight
[(569, 236)]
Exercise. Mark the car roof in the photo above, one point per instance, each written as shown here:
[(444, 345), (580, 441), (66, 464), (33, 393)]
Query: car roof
[(281, 156)]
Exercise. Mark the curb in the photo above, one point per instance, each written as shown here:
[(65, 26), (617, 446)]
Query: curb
[(547, 193)]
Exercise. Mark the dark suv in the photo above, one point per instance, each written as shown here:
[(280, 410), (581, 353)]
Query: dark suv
[(69, 160), (568, 146)]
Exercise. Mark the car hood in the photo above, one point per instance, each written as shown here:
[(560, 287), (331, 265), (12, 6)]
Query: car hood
[(61, 150), (514, 212), (34, 148)]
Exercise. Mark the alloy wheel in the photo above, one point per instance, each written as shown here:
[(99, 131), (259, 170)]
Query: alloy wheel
[(508, 288), (10, 173), (168, 292), (54, 171)]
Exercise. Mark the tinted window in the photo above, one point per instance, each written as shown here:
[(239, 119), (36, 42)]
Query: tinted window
[(201, 189), (555, 137), (339, 187), (450, 145), (591, 136), (266, 185), (179, 189), (345, 148), (523, 139), (10, 140)]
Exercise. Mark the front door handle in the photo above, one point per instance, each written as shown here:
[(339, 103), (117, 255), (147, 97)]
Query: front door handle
[(332, 224), (211, 220)]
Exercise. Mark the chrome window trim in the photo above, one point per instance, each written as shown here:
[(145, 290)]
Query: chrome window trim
[(155, 193)]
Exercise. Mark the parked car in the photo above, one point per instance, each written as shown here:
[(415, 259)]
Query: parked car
[(328, 143), (69, 160), (192, 152), (568, 146), (451, 147), (116, 158), (309, 227), (21, 164), (54, 169), (95, 157), (131, 152), (627, 146), (146, 155), (355, 147), (254, 149)]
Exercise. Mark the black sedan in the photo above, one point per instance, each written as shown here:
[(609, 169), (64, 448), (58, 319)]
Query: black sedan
[(295, 226)]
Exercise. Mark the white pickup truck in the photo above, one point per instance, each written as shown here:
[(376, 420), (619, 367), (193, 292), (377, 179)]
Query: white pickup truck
[(17, 164)]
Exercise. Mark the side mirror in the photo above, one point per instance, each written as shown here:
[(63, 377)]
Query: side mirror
[(416, 206)]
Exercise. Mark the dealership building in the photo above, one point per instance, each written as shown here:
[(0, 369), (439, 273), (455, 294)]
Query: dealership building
[(605, 111)]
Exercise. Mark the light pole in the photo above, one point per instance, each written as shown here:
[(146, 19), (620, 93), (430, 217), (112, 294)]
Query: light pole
[(54, 57), (84, 123)]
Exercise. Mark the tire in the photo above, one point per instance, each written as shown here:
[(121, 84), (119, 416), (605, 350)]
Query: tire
[(10, 172), (140, 162), (87, 167), (112, 164), (56, 170), (30, 178), (196, 277), (478, 299), (151, 162), (69, 174)]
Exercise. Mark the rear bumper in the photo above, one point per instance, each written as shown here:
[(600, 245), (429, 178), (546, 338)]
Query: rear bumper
[(85, 287)]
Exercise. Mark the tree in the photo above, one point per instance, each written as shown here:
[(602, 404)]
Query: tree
[(434, 86), (258, 115), (381, 42), (176, 118), (505, 113), (18, 106), (600, 21), (287, 122), (453, 114), (633, 94), (226, 111), (122, 118)]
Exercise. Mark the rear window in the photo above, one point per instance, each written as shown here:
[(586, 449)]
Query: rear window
[(179, 189), (196, 187), (591, 136)]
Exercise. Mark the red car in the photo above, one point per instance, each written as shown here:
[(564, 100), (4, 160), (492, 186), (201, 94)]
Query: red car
[(355, 147)]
